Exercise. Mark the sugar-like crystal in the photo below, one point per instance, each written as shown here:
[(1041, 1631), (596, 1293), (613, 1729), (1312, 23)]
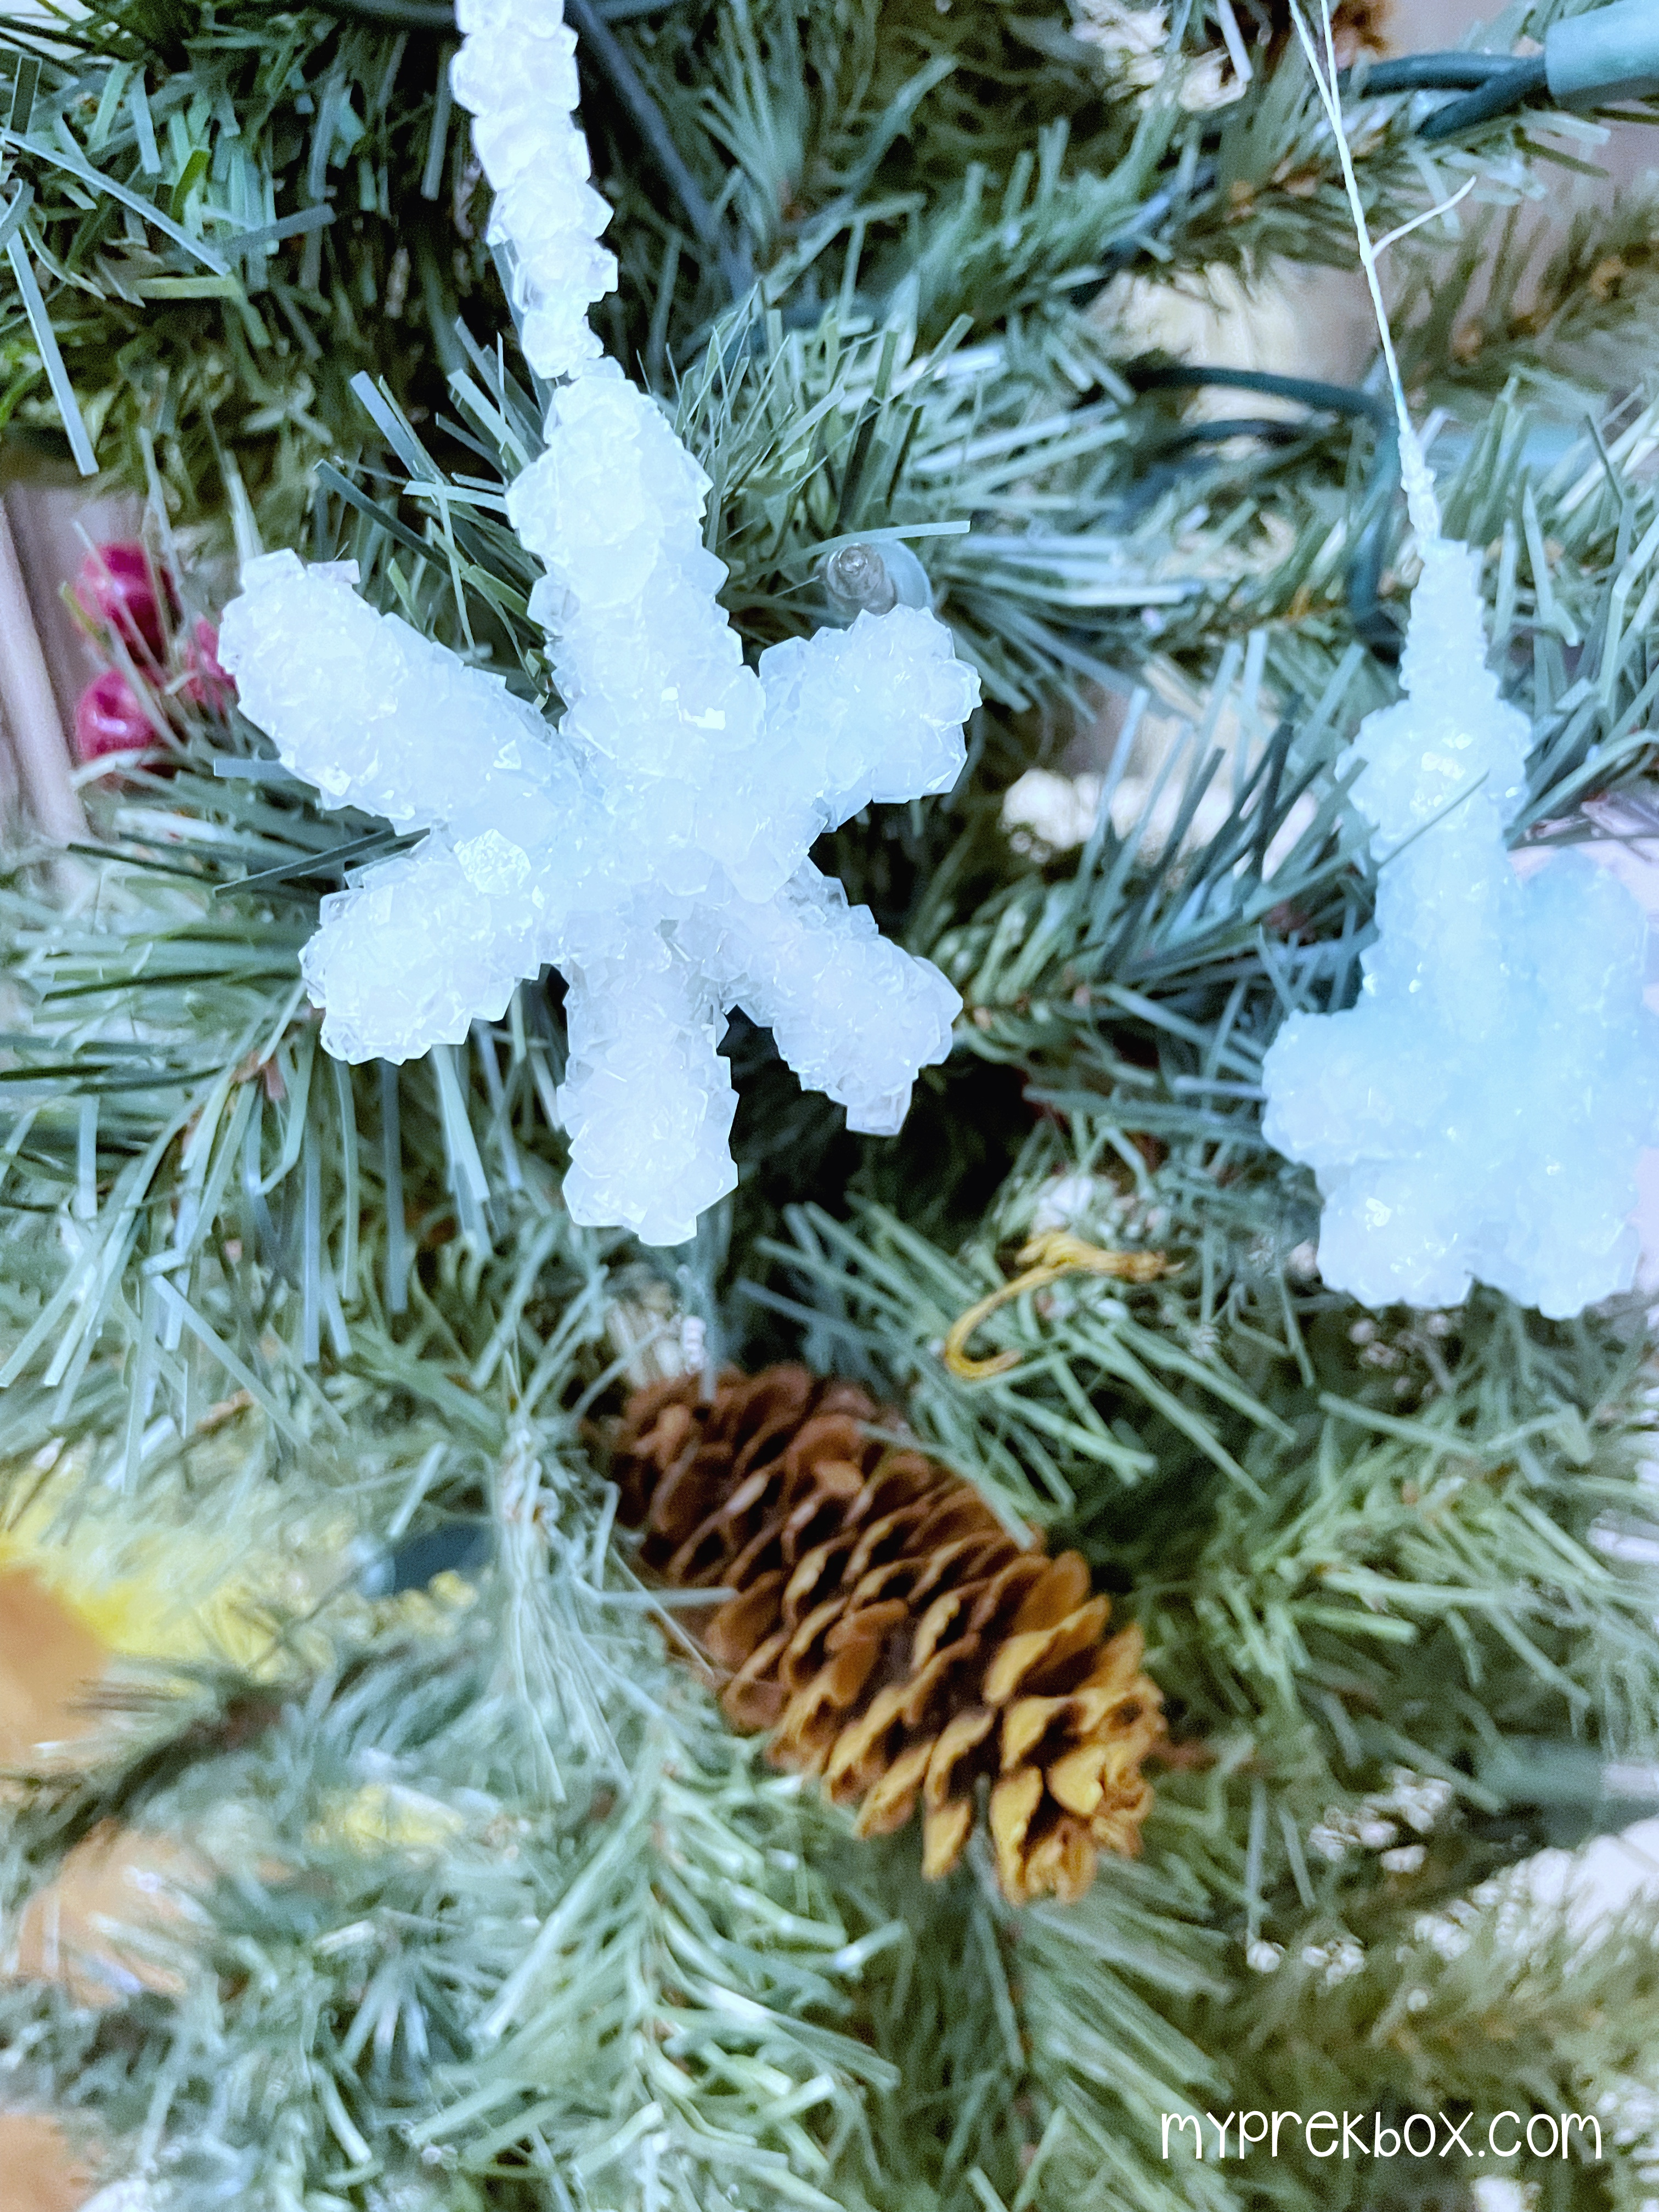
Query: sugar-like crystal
[(516, 71), (1478, 1114), (647, 1100)]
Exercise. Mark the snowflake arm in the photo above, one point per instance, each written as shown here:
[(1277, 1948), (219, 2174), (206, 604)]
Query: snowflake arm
[(647, 1100), (856, 1017), (376, 716), (517, 70), (411, 956)]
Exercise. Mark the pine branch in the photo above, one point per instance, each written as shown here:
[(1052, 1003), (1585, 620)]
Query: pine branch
[(356, 1996), (1562, 318), (229, 222), (504, 1918)]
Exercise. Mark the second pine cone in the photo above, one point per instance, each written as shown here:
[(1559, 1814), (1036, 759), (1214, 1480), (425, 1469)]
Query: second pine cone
[(888, 1630)]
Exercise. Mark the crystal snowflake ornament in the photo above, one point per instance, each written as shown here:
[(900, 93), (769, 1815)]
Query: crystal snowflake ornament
[(1478, 1114), (654, 849)]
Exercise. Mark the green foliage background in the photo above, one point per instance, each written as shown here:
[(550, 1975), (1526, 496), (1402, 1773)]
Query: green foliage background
[(1393, 1570)]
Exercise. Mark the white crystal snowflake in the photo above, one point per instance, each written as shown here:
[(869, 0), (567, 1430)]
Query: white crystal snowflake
[(1478, 1114), (655, 853), (653, 850)]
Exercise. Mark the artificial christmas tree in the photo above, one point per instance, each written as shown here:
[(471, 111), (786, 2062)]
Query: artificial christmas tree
[(482, 1899)]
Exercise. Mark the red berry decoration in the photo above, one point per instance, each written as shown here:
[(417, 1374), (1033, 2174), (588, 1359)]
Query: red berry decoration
[(110, 718), (207, 685), (117, 586)]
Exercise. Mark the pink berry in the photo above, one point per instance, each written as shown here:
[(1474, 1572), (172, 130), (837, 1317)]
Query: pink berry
[(110, 720), (207, 685), (118, 587)]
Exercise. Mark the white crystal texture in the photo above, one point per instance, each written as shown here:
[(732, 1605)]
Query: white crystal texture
[(654, 849), (611, 864), (516, 71), (647, 1100), (1477, 1115)]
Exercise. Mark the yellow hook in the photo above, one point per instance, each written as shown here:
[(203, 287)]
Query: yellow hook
[(1055, 1253)]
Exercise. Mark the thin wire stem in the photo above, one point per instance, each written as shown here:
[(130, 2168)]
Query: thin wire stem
[(1308, 391), (1421, 504)]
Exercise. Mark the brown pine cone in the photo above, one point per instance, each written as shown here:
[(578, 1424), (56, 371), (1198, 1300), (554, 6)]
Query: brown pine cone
[(887, 1629)]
